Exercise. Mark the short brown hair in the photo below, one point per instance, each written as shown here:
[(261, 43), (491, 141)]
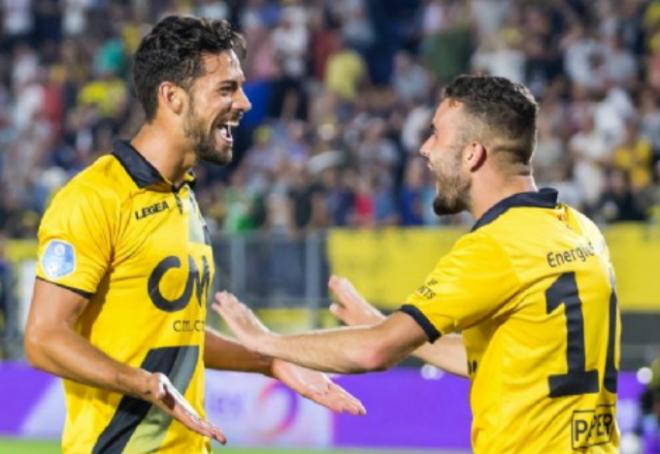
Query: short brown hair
[(505, 107)]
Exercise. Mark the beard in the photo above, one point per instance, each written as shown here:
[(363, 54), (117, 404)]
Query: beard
[(446, 204), (453, 193), (204, 142)]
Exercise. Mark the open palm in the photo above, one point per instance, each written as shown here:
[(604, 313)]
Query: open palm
[(317, 387)]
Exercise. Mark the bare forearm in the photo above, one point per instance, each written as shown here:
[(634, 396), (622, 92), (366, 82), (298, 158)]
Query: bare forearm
[(447, 353), (223, 353), (65, 353), (333, 350), (351, 349)]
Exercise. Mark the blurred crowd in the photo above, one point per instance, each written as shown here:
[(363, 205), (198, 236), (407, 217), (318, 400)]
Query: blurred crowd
[(343, 92)]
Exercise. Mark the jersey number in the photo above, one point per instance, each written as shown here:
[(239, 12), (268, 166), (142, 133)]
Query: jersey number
[(578, 380)]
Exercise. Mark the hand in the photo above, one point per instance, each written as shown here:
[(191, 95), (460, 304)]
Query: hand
[(247, 328), (313, 385), (350, 307), (162, 393), (317, 387)]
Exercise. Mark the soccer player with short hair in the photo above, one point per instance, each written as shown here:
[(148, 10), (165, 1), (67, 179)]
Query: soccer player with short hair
[(530, 288), (125, 263)]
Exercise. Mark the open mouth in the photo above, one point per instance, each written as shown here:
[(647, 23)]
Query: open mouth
[(224, 131)]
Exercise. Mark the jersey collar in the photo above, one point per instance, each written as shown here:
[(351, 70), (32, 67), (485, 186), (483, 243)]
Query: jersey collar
[(139, 169), (544, 198)]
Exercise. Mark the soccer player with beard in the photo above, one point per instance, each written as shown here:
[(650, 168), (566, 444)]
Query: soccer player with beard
[(125, 263), (530, 288)]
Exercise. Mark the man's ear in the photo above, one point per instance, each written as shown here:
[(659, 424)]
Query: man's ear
[(475, 156), (172, 98)]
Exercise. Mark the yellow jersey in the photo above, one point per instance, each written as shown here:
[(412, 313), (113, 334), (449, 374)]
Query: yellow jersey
[(531, 288), (138, 248)]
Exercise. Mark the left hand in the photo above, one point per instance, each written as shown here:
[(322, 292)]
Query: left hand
[(317, 387), (311, 384)]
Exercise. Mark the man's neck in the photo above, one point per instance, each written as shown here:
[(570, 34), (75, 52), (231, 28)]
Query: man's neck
[(164, 153), (486, 196)]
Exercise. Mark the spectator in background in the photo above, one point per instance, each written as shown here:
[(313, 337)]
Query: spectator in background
[(356, 28), (345, 72), (376, 153), (412, 194), (620, 64), (307, 208), (500, 56), (17, 22), (262, 161), (239, 210), (290, 41), (62, 90), (634, 157), (213, 9), (592, 153), (582, 52), (649, 113), (410, 80), (446, 47), (550, 164), (618, 202), (74, 16), (339, 191), (385, 208)]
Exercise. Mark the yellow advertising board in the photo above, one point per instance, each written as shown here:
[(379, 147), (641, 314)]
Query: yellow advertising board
[(386, 265)]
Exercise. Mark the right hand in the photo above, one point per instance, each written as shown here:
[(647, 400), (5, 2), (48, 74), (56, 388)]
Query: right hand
[(162, 393), (350, 307)]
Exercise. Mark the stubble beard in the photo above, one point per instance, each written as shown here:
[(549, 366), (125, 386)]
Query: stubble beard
[(453, 192), (445, 204), (204, 144)]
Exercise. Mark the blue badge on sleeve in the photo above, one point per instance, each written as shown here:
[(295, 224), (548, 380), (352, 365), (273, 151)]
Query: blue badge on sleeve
[(58, 260)]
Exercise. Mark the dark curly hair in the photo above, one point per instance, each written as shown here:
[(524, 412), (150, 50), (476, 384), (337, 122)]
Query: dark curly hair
[(173, 52), (507, 109)]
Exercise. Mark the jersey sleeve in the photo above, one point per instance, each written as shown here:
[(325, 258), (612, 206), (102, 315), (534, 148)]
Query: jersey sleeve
[(76, 239), (474, 281)]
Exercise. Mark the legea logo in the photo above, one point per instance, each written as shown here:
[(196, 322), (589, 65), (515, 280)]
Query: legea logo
[(199, 282)]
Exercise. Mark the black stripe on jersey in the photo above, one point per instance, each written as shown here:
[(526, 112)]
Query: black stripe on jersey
[(82, 293), (544, 198), (137, 167), (431, 331), (178, 363)]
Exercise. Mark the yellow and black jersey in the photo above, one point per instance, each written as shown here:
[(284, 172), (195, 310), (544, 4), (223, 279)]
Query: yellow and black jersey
[(138, 248), (531, 288)]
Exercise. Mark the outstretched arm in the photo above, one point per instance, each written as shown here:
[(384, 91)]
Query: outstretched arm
[(345, 350), (447, 353), (223, 353)]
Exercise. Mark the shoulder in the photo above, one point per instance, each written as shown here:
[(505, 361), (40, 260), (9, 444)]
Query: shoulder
[(582, 219), (481, 246), (103, 181), (98, 192), (588, 228)]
